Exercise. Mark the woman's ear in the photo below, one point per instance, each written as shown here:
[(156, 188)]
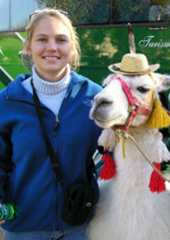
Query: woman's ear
[(27, 48)]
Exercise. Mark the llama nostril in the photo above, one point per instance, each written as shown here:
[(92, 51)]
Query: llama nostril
[(104, 102)]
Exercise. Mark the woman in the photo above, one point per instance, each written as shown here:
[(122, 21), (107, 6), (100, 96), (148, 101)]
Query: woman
[(27, 179)]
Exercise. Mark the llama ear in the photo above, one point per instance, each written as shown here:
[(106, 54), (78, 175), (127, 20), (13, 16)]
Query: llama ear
[(163, 82), (159, 117)]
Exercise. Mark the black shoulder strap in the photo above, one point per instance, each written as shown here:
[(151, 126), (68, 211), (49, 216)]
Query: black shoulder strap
[(55, 165)]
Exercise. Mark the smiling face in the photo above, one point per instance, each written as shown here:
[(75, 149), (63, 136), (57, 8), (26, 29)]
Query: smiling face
[(50, 48)]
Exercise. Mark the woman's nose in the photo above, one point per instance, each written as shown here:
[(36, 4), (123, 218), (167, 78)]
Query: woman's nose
[(52, 45)]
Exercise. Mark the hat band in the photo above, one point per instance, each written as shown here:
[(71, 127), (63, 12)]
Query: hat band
[(119, 69)]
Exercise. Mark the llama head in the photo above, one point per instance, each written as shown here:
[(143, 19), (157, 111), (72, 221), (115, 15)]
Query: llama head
[(112, 106)]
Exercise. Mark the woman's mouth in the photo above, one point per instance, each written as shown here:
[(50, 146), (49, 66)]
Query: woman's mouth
[(51, 57)]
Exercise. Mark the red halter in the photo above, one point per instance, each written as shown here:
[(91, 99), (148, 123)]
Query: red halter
[(134, 107)]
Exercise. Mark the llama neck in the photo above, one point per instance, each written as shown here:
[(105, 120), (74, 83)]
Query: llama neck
[(144, 133), (128, 157), (132, 169)]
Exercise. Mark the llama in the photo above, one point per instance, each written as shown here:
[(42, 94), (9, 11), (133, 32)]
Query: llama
[(130, 207)]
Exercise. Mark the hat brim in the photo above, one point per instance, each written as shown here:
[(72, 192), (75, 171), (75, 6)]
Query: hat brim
[(116, 69)]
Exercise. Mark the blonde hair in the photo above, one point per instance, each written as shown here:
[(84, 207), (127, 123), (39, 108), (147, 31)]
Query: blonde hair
[(40, 14)]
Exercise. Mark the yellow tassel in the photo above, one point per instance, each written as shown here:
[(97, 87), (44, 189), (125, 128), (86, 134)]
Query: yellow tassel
[(123, 143), (117, 138), (123, 147), (159, 118)]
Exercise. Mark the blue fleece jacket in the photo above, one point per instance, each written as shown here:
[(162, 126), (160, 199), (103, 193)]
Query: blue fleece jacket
[(26, 177)]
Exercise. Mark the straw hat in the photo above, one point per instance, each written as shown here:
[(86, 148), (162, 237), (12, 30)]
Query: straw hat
[(133, 64)]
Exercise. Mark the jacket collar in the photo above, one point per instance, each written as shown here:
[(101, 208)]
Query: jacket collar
[(15, 89)]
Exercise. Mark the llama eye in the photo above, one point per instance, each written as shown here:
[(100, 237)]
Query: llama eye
[(142, 89)]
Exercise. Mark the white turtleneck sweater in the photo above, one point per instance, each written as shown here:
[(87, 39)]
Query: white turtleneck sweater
[(51, 94)]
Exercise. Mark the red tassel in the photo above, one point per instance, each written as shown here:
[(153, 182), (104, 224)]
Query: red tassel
[(157, 183), (108, 170)]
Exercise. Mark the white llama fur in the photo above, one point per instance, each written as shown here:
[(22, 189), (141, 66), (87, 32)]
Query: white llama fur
[(127, 209)]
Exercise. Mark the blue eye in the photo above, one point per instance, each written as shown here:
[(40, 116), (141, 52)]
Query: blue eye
[(41, 39), (61, 40)]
